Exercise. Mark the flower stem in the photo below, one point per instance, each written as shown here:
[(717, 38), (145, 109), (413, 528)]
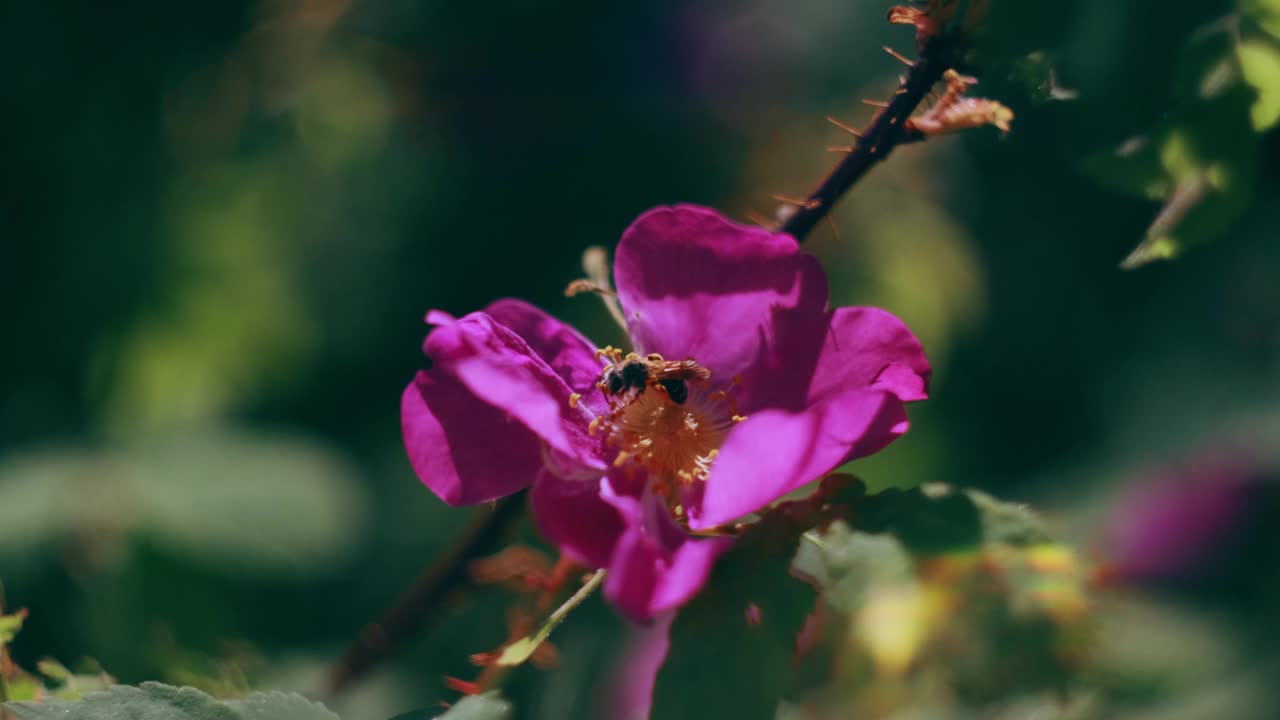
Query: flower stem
[(521, 650), (888, 130)]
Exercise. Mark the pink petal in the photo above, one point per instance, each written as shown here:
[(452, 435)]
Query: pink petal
[(571, 514), (464, 449), (628, 693), (695, 285), (846, 349), (475, 423), (1172, 524), (870, 347), (656, 566), (568, 353), (776, 451), (501, 369)]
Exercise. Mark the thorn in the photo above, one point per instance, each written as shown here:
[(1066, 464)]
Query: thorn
[(897, 55), (760, 220), (843, 127), (842, 148), (807, 204), (901, 91), (835, 229), (875, 103)]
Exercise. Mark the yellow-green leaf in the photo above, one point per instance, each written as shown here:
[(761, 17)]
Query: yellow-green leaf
[(1260, 64)]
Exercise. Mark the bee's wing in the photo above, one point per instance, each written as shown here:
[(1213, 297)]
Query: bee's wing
[(682, 370)]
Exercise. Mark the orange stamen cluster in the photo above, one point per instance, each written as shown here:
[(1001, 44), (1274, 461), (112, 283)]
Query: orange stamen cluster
[(672, 443)]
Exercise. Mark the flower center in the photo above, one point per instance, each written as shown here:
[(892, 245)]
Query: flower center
[(669, 424)]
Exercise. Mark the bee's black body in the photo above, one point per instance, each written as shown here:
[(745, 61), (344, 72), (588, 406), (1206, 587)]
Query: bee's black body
[(677, 389)]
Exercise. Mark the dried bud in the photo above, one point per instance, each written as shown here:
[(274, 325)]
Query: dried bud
[(954, 111), (940, 16)]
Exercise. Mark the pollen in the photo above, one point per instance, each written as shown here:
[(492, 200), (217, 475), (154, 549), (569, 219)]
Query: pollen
[(673, 443)]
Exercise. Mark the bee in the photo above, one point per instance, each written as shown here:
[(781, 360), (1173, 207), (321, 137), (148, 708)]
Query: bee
[(637, 373)]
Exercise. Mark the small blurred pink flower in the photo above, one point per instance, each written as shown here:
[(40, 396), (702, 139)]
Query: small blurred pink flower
[(785, 390), (1171, 524), (627, 691)]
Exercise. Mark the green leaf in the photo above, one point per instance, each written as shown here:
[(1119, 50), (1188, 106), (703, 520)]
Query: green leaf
[(489, 706), (34, 488), (246, 502), (1008, 523), (54, 670), (69, 685), (1200, 164), (712, 640), (848, 564), (10, 625), (1260, 65), (23, 687), (931, 519), (278, 706), (953, 584), (154, 701), (1265, 12)]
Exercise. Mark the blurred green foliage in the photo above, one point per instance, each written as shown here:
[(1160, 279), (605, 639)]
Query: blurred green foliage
[(1201, 162), (223, 222), (488, 706), (153, 701)]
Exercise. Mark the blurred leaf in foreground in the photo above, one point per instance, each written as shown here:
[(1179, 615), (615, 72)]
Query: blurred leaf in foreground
[(1265, 12), (236, 500), (488, 706), (940, 588), (154, 701), (10, 625)]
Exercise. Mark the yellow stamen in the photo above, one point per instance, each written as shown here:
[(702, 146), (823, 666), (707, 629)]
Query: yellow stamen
[(573, 400)]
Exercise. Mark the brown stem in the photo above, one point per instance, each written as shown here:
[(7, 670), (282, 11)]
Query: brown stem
[(446, 573), (887, 131)]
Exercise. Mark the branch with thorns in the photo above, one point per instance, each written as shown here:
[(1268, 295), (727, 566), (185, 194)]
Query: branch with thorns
[(895, 125)]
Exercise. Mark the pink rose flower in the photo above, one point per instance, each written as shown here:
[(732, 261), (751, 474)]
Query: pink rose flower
[(769, 390)]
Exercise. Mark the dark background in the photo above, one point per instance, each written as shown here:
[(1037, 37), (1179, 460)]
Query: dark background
[(221, 224)]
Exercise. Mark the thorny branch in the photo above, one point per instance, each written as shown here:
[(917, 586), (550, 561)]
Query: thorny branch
[(888, 130)]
